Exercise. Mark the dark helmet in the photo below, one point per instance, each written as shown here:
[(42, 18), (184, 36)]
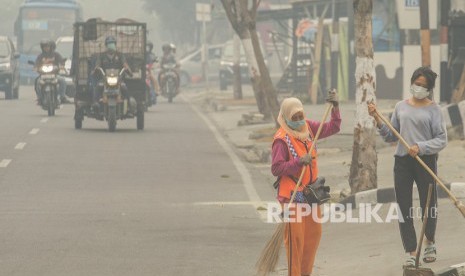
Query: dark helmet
[(110, 39), (149, 45), (53, 45), (166, 47), (47, 42)]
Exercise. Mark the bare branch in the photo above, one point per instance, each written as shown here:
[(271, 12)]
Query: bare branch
[(230, 9), (256, 4)]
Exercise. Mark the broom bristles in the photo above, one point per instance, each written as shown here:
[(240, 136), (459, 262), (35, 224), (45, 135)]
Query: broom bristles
[(270, 253), (461, 207)]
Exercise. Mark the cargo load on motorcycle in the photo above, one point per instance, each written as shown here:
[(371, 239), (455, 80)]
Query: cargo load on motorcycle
[(109, 69)]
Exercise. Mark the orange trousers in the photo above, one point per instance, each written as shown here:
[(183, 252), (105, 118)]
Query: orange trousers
[(302, 240)]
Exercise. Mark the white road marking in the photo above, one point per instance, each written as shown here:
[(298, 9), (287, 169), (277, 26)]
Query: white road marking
[(44, 120), (245, 175), (4, 163), (232, 203), (20, 146), (34, 131)]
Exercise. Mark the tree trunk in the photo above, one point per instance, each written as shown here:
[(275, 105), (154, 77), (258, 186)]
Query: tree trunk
[(363, 175), (243, 21), (255, 77), (456, 15), (266, 85)]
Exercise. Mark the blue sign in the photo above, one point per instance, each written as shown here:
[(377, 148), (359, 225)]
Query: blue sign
[(37, 25)]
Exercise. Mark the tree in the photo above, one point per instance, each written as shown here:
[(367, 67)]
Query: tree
[(242, 16), (363, 175), (177, 18)]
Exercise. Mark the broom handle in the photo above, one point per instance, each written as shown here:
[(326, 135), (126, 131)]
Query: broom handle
[(423, 228), (402, 140), (328, 109)]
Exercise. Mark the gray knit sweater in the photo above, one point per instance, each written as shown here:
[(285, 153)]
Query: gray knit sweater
[(423, 126)]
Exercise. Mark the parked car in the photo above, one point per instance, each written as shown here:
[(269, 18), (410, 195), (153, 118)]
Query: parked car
[(9, 69), (226, 65), (227, 62), (191, 64), (65, 48)]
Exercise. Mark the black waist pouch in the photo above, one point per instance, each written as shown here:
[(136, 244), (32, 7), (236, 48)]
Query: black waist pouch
[(317, 192)]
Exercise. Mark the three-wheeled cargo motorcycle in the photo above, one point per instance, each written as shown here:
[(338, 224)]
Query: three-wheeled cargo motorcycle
[(109, 94)]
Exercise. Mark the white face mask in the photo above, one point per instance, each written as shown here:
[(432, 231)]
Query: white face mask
[(419, 92)]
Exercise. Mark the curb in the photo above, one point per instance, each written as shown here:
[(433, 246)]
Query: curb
[(387, 195), (454, 270)]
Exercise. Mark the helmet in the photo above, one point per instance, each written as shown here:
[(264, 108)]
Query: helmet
[(149, 44), (166, 47), (47, 42), (53, 45), (110, 39), (173, 48)]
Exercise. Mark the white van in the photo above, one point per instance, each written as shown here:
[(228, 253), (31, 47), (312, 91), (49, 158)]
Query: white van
[(191, 64)]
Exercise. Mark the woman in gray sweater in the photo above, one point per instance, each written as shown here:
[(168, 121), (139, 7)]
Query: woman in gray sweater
[(419, 121)]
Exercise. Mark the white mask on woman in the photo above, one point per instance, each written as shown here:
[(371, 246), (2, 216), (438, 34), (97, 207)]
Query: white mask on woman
[(419, 92)]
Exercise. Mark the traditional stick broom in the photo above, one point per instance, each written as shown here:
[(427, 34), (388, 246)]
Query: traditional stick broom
[(270, 254), (457, 203)]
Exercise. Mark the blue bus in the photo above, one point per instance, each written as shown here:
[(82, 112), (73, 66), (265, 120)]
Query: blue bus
[(42, 19)]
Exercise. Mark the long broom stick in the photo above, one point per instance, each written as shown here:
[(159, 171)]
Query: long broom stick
[(426, 213), (270, 254), (457, 203)]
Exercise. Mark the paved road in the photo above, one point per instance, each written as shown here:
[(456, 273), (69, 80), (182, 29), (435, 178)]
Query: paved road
[(90, 202)]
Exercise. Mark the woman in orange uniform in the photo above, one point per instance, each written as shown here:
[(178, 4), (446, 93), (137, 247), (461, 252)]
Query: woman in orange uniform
[(289, 156)]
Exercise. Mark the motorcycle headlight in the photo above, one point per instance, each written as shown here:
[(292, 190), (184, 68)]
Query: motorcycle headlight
[(226, 63), (5, 66), (46, 68), (112, 81)]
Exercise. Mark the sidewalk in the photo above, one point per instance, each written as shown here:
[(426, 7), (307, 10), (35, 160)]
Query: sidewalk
[(344, 248), (335, 152)]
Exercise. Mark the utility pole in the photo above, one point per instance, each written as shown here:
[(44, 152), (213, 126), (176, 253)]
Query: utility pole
[(335, 46), (425, 34), (203, 14), (237, 85), (237, 81), (445, 85)]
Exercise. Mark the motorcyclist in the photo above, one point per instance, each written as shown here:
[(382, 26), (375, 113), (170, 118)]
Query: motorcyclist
[(50, 56), (169, 51), (150, 59), (110, 59)]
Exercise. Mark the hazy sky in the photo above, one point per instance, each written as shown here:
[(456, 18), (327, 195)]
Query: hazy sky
[(106, 9)]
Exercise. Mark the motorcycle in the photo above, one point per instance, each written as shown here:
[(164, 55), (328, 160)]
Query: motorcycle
[(46, 86), (169, 78), (114, 105), (149, 98)]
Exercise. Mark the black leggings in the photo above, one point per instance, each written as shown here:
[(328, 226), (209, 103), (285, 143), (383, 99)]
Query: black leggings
[(407, 170)]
